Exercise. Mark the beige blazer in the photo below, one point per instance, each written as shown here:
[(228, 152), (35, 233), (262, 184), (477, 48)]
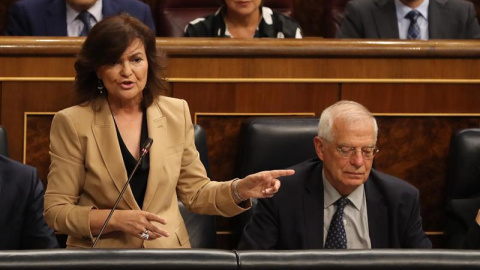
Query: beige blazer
[(87, 171)]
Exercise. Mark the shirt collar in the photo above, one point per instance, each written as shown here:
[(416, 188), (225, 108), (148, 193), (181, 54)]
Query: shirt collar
[(95, 11), (331, 195), (402, 9)]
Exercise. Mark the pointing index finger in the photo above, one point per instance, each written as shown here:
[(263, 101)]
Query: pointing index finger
[(279, 173)]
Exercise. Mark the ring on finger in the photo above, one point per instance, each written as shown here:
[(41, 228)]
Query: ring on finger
[(144, 235)]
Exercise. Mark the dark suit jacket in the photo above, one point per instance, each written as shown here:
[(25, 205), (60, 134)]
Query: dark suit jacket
[(447, 19), (21, 198), (461, 230), (293, 218), (48, 17)]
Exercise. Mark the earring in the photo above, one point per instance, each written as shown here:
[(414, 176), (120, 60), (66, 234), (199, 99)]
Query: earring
[(100, 86)]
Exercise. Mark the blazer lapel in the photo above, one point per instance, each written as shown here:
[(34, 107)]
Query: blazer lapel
[(56, 19), (106, 138), (439, 28), (313, 206), (385, 19), (156, 131), (377, 215)]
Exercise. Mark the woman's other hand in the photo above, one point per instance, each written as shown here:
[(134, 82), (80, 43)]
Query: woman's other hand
[(136, 223)]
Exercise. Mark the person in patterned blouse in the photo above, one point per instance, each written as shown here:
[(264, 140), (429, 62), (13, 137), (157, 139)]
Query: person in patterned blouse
[(244, 19)]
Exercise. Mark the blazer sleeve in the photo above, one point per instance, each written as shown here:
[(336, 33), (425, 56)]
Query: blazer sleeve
[(66, 180), (414, 235), (36, 233)]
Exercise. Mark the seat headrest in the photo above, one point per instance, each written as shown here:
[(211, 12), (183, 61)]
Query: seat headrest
[(464, 164)]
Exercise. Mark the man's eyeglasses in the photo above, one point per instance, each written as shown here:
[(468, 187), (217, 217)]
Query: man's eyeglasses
[(349, 152)]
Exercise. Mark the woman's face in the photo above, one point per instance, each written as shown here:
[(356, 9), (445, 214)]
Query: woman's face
[(126, 79), (243, 7)]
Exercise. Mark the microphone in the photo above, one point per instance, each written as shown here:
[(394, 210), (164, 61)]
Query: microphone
[(145, 149)]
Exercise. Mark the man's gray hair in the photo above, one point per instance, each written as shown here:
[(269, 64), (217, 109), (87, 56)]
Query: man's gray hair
[(346, 110)]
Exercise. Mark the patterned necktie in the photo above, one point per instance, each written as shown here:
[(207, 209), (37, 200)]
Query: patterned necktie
[(85, 18), (336, 237), (414, 28)]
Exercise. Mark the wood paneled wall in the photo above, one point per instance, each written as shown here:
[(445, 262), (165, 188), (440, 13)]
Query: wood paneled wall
[(421, 92)]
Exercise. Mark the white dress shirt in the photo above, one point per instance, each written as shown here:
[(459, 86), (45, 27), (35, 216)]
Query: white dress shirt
[(355, 217), (404, 23), (75, 26)]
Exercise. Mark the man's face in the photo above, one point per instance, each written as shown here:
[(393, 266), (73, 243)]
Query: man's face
[(81, 5), (348, 171)]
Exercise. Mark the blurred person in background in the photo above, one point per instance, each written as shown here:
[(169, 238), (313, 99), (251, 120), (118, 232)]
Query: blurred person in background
[(22, 225), (244, 19), (410, 19), (69, 17)]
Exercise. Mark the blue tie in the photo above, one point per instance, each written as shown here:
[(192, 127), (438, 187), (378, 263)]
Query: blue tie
[(336, 237), (85, 18), (414, 28)]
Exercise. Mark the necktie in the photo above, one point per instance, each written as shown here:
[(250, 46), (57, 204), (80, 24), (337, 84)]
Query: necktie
[(85, 18), (414, 29), (336, 237)]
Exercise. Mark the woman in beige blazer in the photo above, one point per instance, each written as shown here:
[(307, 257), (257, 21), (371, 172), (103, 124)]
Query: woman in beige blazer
[(95, 145)]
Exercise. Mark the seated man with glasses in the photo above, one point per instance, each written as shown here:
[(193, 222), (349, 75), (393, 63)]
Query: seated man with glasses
[(337, 200)]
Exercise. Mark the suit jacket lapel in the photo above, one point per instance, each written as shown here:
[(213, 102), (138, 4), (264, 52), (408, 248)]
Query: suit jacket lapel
[(156, 131), (56, 19), (377, 215), (313, 206), (385, 19), (106, 138), (438, 28)]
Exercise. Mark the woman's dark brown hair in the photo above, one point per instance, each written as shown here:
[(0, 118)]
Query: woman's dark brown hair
[(105, 44)]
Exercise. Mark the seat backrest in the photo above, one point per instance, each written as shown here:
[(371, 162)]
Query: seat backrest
[(464, 165), (334, 11), (3, 142), (201, 144), (268, 144), (463, 186), (174, 15), (275, 143), (201, 228)]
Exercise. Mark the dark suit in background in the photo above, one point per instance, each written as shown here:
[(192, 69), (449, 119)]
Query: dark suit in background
[(21, 199), (447, 19), (48, 17), (293, 218), (461, 230)]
